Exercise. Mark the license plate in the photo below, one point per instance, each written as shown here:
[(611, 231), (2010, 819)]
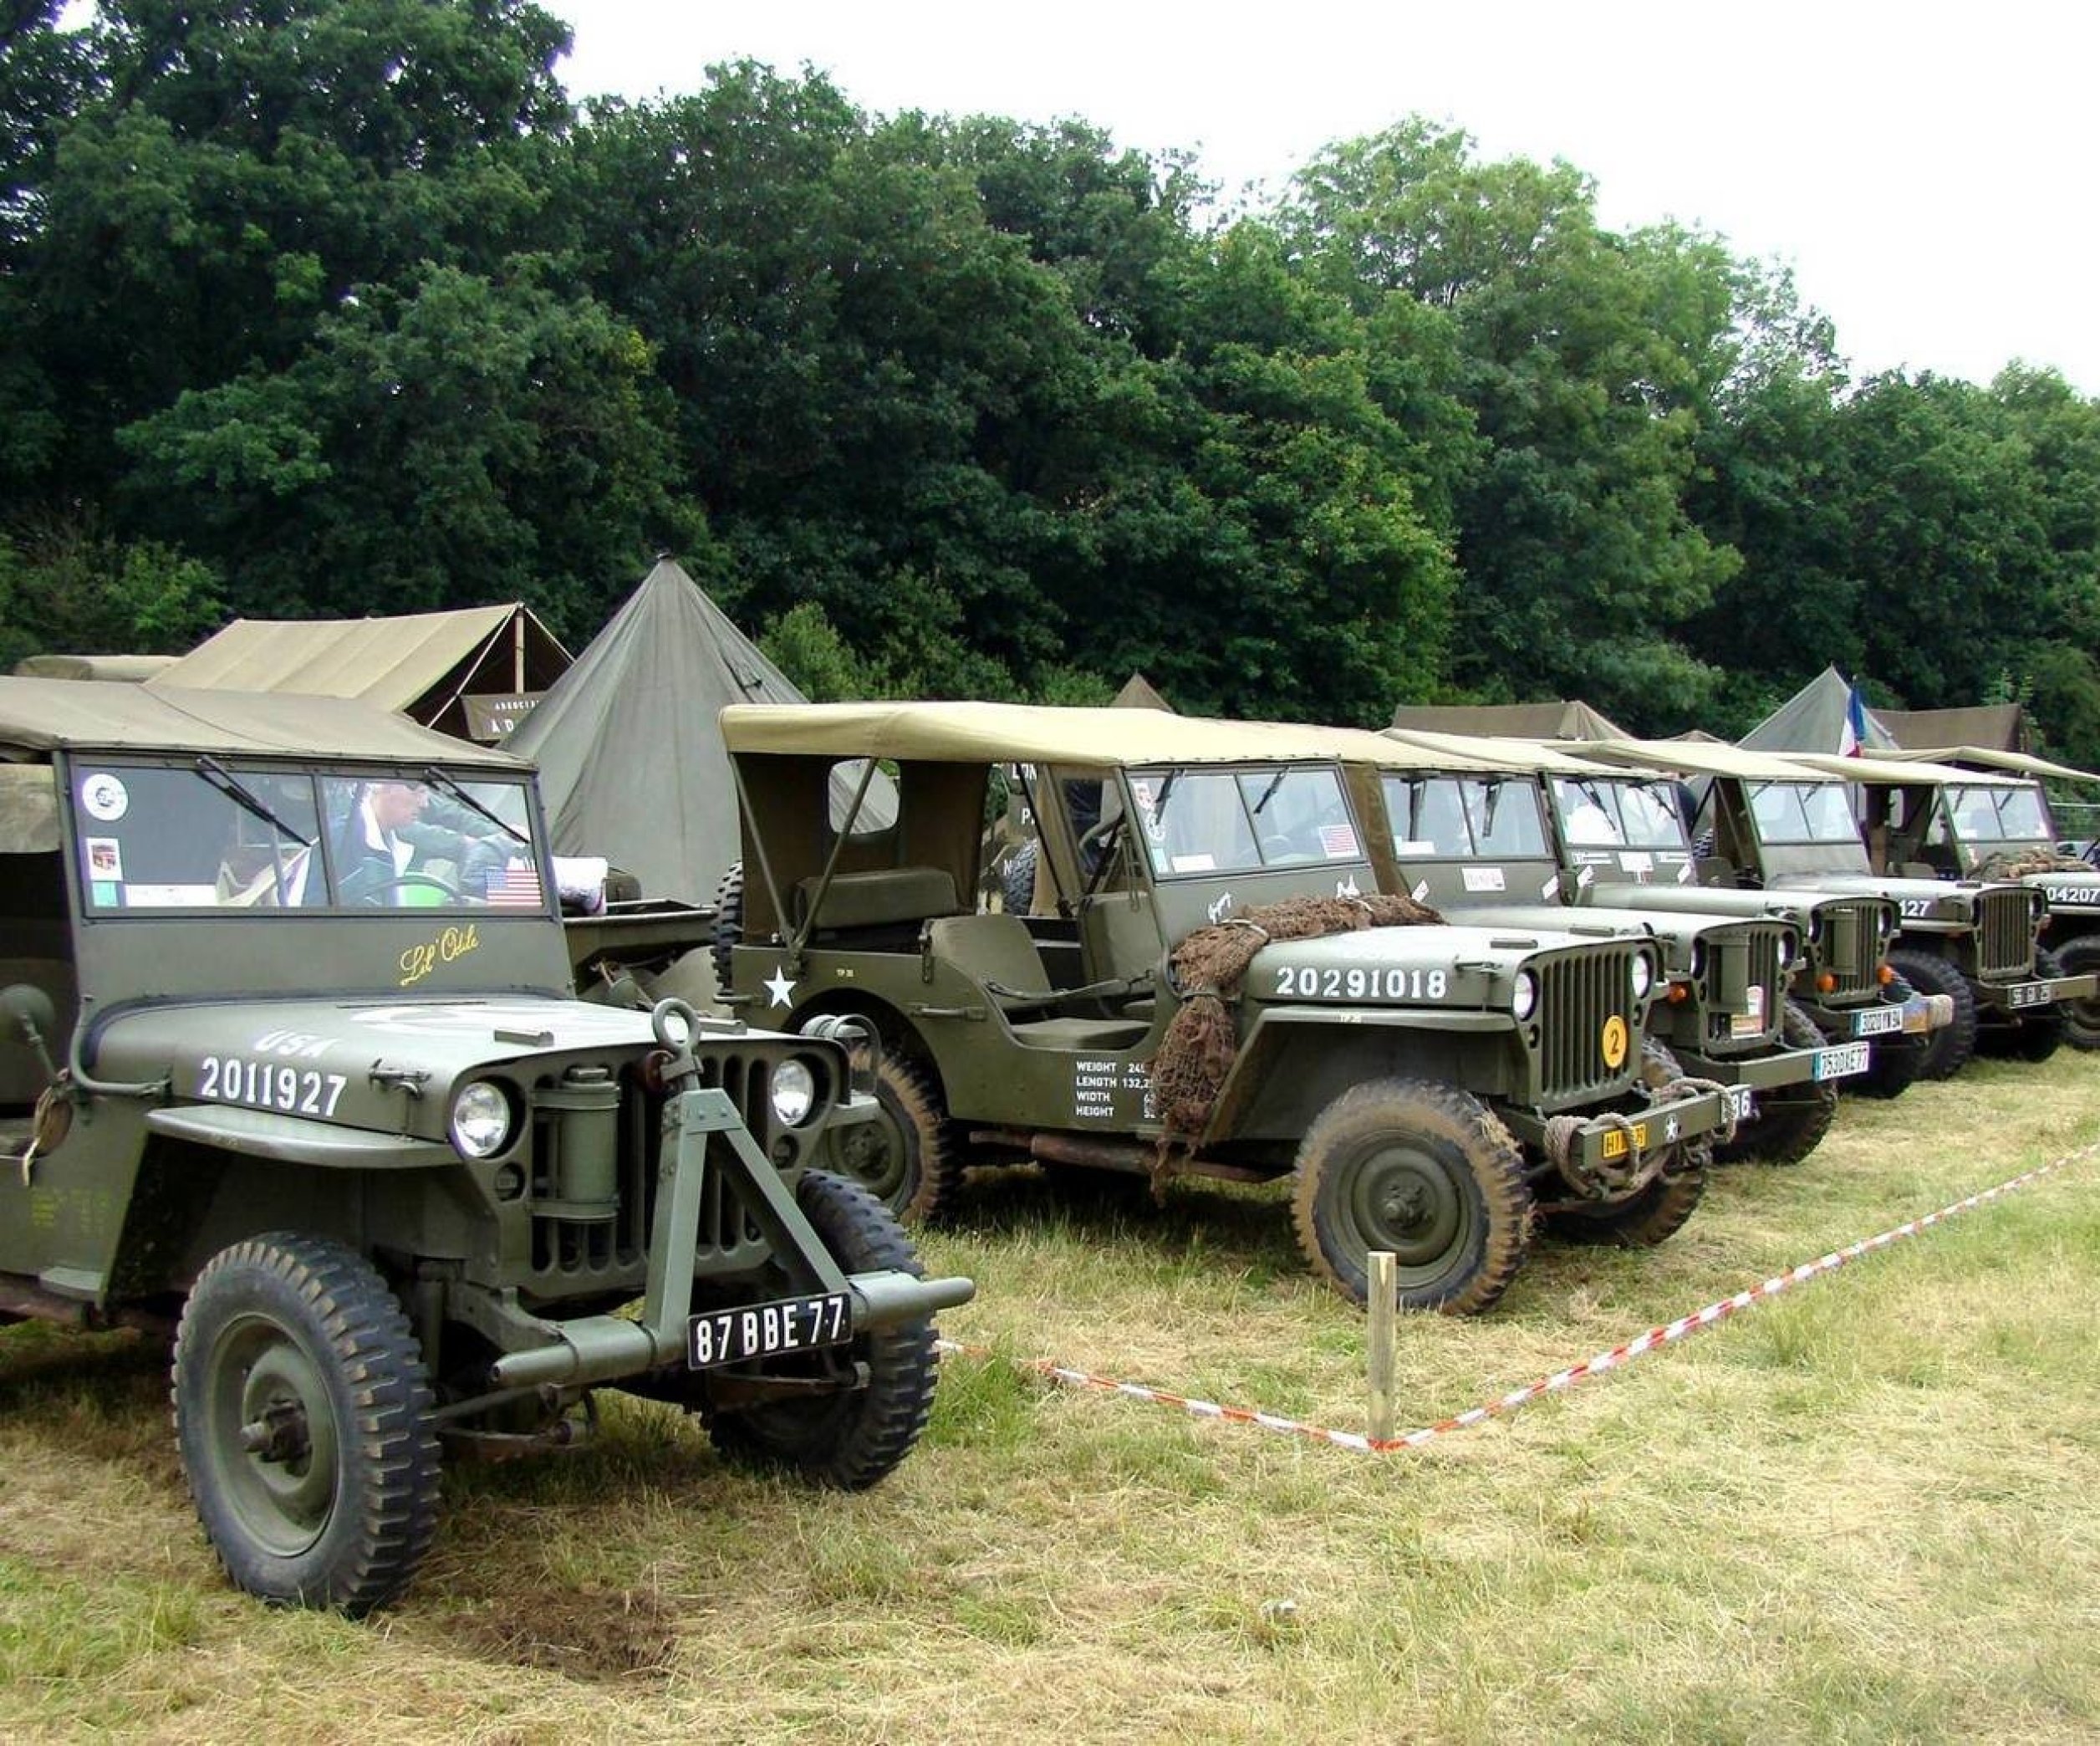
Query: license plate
[(1739, 1103), (766, 1330), (2031, 994), (1615, 1139), (1880, 1022), (1842, 1062)]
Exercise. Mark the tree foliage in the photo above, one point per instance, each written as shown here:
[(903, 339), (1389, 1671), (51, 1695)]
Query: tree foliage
[(334, 306)]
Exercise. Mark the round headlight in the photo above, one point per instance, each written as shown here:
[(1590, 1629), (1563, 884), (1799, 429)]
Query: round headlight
[(481, 1120), (1643, 976), (1786, 951), (1523, 996), (793, 1092)]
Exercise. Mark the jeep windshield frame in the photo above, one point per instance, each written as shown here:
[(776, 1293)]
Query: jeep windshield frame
[(170, 835)]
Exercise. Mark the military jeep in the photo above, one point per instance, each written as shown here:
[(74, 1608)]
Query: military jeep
[(1989, 818), (1466, 825), (290, 1065), (1781, 822), (1643, 856), (1428, 1087)]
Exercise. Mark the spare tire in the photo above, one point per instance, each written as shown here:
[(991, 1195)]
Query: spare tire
[(729, 922), (1018, 879)]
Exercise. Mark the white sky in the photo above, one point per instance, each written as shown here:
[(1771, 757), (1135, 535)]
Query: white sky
[(1930, 173)]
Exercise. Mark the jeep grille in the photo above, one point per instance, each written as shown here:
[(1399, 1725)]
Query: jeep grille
[(1577, 993), (2005, 943), (1738, 960), (1848, 947), (574, 1255)]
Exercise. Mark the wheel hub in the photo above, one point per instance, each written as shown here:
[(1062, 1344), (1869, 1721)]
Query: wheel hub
[(1407, 1202)]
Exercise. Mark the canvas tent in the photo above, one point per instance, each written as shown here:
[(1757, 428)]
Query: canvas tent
[(470, 673), (631, 761), (1995, 726), (1556, 719), (123, 669), (1137, 692), (1813, 720)]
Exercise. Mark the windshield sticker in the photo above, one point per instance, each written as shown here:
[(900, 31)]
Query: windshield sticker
[(1636, 861), (1484, 879), (1413, 845), (104, 797), (169, 896), (1339, 841), (1551, 889), (442, 948), (105, 858), (1196, 863)]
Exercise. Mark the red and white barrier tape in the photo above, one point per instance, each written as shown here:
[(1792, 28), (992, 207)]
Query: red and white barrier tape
[(1617, 1358)]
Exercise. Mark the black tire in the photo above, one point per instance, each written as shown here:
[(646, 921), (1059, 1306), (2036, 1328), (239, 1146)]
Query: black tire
[(729, 922), (850, 1439), (2039, 1032), (2081, 1018), (1947, 1050), (1421, 1169), (1657, 1210), (1791, 1120), (300, 1338), (1018, 879), (906, 1157)]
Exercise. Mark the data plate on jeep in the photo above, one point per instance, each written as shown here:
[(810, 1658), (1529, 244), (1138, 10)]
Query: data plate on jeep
[(1842, 1062), (2029, 994), (1884, 1021), (766, 1330)]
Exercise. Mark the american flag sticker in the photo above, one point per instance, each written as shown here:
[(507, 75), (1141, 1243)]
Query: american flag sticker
[(516, 886), (1338, 840)]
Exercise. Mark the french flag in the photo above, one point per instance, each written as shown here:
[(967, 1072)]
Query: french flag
[(1852, 737)]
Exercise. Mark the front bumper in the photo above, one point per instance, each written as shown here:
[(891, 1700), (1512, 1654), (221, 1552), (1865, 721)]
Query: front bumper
[(1782, 1067), (2012, 999)]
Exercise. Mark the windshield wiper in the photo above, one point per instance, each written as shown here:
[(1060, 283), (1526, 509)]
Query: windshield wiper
[(1268, 794), (438, 779), (227, 783)]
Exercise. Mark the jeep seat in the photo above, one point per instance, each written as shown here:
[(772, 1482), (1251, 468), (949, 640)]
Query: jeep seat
[(885, 897), (998, 952)]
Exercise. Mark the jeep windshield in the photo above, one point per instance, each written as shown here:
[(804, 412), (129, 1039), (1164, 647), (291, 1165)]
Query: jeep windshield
[(1804, 812), (1472, 818), (1629, 814), (1999, 815), (1203, 821), (199, 833)]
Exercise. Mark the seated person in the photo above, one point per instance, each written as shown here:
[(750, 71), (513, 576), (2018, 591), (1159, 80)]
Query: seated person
[(386, 852)]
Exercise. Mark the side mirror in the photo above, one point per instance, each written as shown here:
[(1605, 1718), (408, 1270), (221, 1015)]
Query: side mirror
[(30, 1017)]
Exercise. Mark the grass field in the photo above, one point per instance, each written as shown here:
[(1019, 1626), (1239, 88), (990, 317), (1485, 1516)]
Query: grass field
[(1866, 1510)]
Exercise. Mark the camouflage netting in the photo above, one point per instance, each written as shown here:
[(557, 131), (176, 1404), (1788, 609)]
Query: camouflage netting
[(2018, 862), (1195, 1055)]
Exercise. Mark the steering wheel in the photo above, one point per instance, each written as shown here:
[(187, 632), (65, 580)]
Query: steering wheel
[(370, 895), (1276, 846)]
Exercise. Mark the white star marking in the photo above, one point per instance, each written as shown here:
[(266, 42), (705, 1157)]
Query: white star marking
[(1670, 1130), (777, 985)]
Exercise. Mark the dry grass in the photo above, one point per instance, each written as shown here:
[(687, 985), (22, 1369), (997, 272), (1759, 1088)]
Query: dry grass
[(1860, 1512)]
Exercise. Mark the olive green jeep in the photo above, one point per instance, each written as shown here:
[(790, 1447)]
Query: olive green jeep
[(1428, 1087), (1989, 818), (1472, 831), (1788, 822), (291, 1065)]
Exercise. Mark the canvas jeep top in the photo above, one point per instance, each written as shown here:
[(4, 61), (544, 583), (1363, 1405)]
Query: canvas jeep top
[(288, 1050), (1426, 1084)]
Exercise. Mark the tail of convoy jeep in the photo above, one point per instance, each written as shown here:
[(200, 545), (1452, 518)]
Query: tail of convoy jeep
[(289, 1062), (1781, 822), (1429, 1086), (1466, 825), (1989, 818), (1622, 843)]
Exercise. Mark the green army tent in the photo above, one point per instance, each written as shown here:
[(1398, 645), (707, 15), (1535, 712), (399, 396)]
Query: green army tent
[(1559, 719)]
